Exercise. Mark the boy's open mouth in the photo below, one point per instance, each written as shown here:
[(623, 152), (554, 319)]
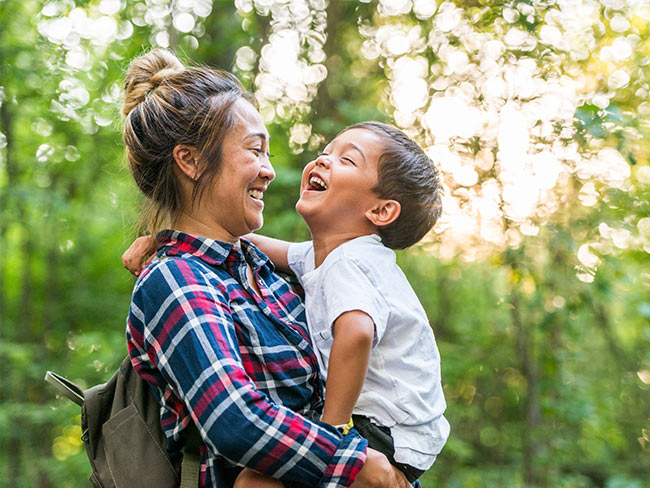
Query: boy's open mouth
[(316, 184)]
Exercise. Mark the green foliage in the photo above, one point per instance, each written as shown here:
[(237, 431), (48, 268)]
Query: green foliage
[(546, 376)]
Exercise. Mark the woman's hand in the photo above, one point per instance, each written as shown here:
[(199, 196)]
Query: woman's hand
[(379, 473), (133, 257)]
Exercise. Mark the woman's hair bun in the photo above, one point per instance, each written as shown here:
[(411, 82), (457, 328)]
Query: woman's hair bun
[(145, 74)]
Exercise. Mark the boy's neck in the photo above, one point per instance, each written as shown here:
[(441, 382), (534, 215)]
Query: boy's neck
[(326, 243)]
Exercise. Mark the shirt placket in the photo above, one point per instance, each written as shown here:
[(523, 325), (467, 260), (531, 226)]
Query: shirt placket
[(238, 263)]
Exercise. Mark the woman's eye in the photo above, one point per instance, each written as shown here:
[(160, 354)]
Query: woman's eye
[(259, 151)]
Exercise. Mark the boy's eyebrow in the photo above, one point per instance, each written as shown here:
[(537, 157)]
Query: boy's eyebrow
[(359, 150)]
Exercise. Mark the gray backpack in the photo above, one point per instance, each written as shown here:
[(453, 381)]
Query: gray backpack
[(120, 425)]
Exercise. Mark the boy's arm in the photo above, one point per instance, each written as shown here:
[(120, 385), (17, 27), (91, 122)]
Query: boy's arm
[(348, 364), (275, 249), (139, 254)]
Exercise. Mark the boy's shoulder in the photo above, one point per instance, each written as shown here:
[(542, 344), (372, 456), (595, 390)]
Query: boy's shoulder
[(363, 255), (366, 250)]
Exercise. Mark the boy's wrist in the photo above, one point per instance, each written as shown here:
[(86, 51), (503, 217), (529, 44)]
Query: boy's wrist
[(335, 419), (344, 428)]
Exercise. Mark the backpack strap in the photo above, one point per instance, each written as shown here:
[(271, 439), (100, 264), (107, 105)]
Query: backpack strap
[(191, 466), (65, 387)]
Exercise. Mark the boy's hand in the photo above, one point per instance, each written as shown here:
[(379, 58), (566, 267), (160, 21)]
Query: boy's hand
[(138, 255)]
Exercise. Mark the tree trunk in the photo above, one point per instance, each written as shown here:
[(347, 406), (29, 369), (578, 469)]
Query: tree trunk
[(220, 25), (171, 30), (13, 461), (604, 324), (265, 28), (324, 109), (6, 129), (529, 368)]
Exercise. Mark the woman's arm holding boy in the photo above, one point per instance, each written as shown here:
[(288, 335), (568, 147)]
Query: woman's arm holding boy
[(230, 412)]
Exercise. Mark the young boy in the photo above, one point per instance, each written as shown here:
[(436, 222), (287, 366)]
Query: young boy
[(370, 191)]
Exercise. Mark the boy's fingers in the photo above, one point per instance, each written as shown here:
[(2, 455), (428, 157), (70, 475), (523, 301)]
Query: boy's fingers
[(137, 251), (127, 262), (147, 261)]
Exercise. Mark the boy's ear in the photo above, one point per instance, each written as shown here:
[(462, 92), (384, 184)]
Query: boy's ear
[(384, 213), (186, 161)]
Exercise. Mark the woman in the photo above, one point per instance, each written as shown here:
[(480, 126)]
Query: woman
[(219, 336)]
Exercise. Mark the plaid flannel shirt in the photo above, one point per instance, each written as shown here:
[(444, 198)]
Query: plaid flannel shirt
[(240, 367)]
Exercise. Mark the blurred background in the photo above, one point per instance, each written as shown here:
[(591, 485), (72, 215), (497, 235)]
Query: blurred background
[(536, 280)]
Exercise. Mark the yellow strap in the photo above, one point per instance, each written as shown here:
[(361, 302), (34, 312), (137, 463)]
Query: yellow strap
[(345, 428)]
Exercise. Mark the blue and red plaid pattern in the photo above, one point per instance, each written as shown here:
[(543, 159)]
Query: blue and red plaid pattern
[(242, 368)]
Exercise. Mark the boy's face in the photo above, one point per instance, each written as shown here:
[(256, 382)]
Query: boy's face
[(336, 189)]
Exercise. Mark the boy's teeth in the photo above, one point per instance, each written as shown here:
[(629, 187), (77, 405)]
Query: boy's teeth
[(255, 194), (316, 180)]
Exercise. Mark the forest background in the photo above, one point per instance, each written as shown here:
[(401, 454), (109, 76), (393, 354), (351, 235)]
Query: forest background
[(536, 279)]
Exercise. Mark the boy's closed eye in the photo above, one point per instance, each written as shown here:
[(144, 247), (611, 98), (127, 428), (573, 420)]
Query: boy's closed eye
[(347, 159)]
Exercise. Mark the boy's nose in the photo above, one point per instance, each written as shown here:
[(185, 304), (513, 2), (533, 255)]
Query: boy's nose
[(323, 160)]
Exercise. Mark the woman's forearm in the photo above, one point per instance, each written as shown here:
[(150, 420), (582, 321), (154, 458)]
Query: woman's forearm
[(379, 473)]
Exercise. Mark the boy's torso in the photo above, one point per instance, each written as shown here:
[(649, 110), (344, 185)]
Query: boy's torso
[(402, 390)]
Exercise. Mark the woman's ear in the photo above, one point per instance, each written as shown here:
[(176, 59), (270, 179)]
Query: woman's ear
[(384, 213), (186, 161)]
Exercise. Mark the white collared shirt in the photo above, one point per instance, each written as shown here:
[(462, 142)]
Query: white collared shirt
[(402, 389)]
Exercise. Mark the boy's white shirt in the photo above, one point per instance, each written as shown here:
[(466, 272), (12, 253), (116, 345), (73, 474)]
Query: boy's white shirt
[(402, 389)]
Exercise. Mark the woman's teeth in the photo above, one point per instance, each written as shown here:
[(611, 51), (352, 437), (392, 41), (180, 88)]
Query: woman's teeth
[(256, 194)]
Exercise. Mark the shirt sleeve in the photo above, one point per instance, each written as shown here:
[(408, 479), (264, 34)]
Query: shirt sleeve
[(348, 287), (298, 255), (183, 325)]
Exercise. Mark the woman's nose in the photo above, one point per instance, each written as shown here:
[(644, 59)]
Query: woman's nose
[(266, 171)]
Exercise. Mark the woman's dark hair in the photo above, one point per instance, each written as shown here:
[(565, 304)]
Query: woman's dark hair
[(166, 104), (405, 174)]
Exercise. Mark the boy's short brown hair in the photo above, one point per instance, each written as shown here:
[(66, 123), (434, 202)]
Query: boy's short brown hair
[(405, 174)]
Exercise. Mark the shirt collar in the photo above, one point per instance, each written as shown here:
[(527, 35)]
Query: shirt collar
[(256, 257), (212, 252)]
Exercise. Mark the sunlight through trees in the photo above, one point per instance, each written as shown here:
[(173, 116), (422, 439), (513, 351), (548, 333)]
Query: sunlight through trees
[(535, 280)]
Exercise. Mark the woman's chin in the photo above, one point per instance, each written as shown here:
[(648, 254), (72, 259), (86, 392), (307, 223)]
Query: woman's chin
[(254, 225)]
